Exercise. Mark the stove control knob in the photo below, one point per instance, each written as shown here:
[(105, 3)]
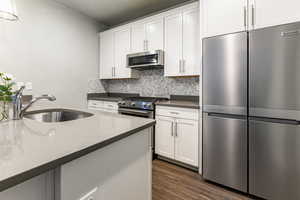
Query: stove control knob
[(149, 105), (132, 104), (122, 103)]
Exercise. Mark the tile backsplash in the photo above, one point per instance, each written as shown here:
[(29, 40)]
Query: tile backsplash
[(151, 83)]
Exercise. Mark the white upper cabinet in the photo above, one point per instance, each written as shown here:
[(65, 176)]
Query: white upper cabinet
[(122, 48), (265, 13), (106, 55), (223, 17), (115, 44), (155, 34), (229, 16), (147, 35), (173, 44), (138, 38), (191, 56), (182, 43), (175, 31)]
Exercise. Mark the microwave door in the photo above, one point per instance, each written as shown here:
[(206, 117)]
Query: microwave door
[(146, 60), (143, 60)]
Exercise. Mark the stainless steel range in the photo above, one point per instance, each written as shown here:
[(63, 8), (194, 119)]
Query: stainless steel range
[(138, 106)]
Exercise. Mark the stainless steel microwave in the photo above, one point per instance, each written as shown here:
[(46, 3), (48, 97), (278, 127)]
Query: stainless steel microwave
[(146, 60)]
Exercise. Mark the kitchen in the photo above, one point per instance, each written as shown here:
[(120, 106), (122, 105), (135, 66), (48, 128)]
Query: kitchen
[(149, 99)]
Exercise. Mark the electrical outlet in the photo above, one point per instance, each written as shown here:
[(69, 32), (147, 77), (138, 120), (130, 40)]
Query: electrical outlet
[(19, 85), (28, 86), (90, 195)]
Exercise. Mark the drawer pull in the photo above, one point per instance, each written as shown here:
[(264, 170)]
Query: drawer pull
[(174, 113)]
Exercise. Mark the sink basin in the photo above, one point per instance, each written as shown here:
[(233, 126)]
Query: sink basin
[(56, 115)]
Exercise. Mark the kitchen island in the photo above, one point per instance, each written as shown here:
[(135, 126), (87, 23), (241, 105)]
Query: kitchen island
[(106, 156)]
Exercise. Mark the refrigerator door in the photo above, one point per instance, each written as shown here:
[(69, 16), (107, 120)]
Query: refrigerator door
[(274, 72), (225, 150), (225, 74), (274, 170)]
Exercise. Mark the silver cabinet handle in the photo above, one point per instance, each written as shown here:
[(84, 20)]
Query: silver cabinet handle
[(290, 33), (253, 14), (245, 17), (147, 45), (179, 66), (144, 45), (172, 132), (183, 66), (176, 129), (112, 72)]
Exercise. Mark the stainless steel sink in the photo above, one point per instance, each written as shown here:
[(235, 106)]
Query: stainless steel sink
[(56, 115)]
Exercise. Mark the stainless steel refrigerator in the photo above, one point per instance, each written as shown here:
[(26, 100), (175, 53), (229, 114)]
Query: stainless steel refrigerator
[(251, 118), (225, 110)]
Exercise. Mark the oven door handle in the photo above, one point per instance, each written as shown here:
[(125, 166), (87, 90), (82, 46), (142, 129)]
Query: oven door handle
[(135, 112)]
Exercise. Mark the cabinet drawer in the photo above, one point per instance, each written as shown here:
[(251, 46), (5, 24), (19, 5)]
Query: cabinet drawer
[(110, 105), (184, 113), (95, 104)]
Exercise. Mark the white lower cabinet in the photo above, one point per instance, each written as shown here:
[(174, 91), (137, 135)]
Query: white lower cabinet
[(164, 138), (177, 137), (186, 141), (105, 106)]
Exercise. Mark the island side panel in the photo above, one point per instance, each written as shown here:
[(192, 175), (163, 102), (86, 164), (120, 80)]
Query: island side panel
[(120, 171), (37, 188)]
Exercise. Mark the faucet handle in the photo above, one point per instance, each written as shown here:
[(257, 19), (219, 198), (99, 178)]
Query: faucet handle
[(20, 91)]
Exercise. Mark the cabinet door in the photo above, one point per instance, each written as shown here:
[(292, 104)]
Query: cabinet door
[(271, 13), (155, 34), (186, 141), (164, 137), (121, 49), (106, 55), (222, 17), (138, 38), (191, 52), (173, 44)]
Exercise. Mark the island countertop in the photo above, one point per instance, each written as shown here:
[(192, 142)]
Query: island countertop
[(29, 148)]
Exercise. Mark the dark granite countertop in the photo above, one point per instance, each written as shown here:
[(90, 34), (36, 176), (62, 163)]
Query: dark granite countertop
[(181, 101), (112, 97)]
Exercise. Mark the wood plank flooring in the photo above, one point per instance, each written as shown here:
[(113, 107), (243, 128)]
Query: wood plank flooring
[(175, 183)]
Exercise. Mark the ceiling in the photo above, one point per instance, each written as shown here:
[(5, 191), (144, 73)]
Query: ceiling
[(114, 12)]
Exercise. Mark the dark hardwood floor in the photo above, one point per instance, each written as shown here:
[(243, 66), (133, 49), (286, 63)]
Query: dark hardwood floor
[(175, 183)]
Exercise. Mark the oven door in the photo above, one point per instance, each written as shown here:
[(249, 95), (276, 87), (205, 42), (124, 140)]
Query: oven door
[(137, 113), (146, 59)]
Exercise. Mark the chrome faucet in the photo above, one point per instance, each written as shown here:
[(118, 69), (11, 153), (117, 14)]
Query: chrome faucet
[(18, 110)]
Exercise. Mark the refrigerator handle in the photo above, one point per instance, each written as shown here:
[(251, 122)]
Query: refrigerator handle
[(223, 115), (275, 120)]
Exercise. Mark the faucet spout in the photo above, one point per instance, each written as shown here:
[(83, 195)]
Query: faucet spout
[(43, 97), (18, 110)]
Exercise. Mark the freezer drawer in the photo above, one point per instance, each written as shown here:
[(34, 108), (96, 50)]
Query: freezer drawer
[(274, 72), (225, 150), (225, 74), (274, 162)]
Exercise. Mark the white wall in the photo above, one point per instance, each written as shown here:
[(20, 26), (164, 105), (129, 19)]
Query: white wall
[(53, 47)]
